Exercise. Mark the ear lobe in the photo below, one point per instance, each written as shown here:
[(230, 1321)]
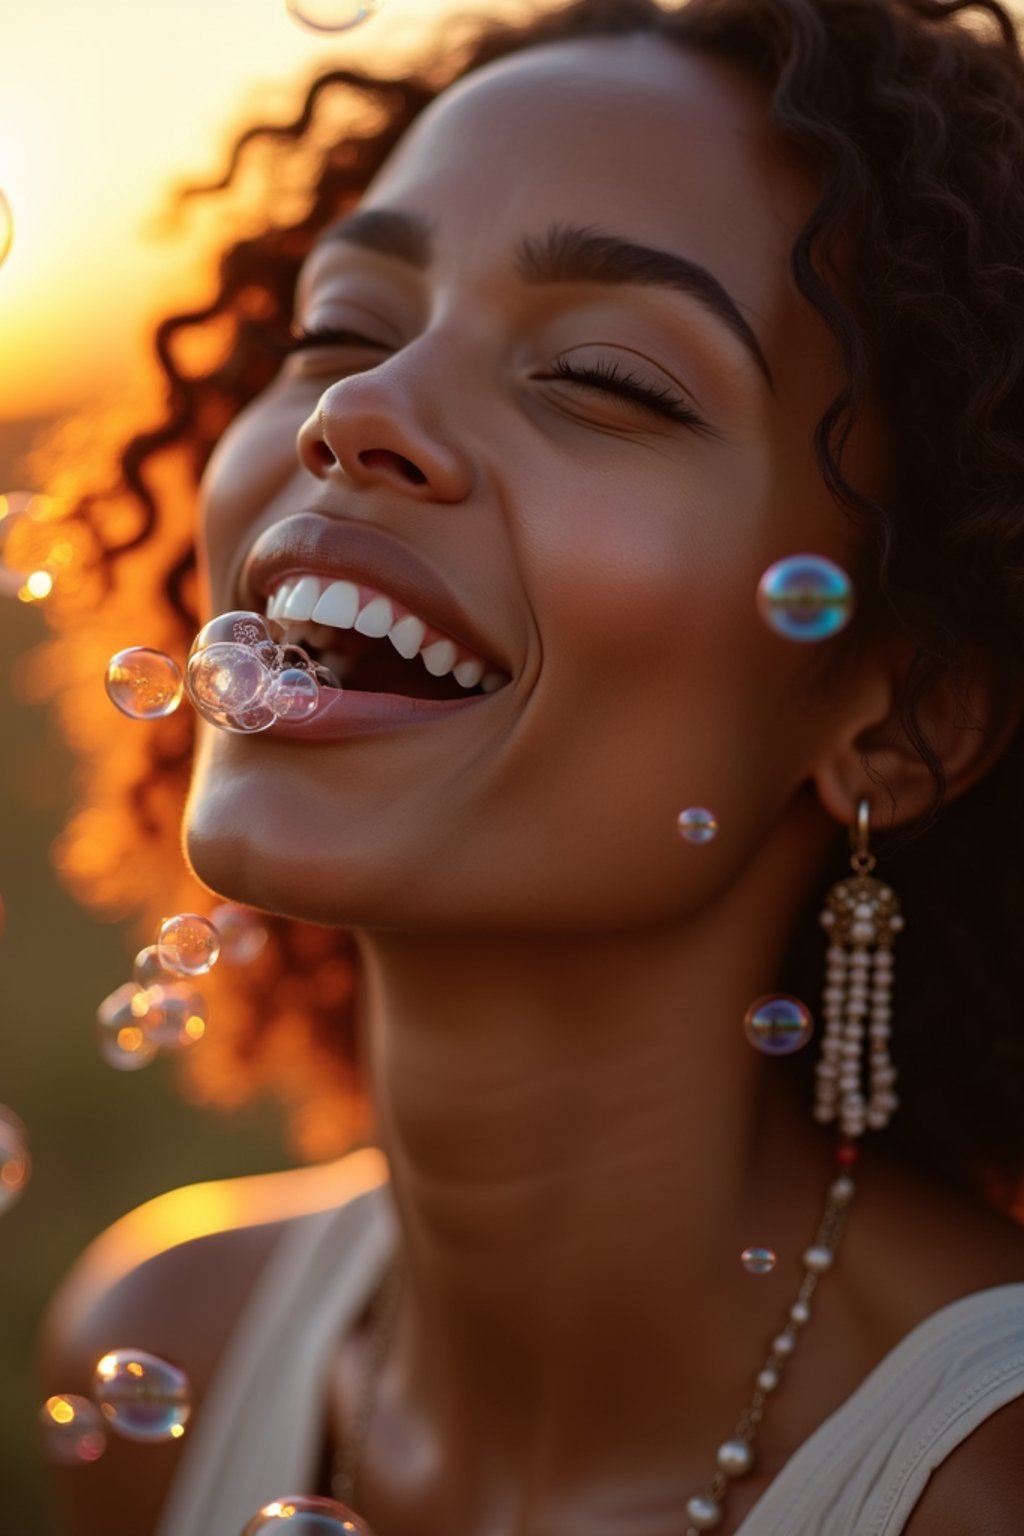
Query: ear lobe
[(873, 754)]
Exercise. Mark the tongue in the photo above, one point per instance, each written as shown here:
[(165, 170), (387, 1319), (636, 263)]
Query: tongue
[(378, 668)]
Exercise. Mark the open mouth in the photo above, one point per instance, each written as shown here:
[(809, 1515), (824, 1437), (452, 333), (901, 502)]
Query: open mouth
[(367, 642)]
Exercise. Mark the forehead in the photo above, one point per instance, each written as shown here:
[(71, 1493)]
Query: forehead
[(634, 135)]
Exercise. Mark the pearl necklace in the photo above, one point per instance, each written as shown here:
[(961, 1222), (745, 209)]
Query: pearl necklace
[(705, 1511)]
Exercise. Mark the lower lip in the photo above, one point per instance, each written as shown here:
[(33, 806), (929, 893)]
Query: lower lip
[(342, 713)]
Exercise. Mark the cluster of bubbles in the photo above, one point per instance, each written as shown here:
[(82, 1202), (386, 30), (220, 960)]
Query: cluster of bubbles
[(161, 1009), (805, 598), (241, 676), (305, 1515), (330, 15), (134, 1393)]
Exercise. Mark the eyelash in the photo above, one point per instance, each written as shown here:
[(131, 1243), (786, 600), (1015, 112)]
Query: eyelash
[(604, 376)]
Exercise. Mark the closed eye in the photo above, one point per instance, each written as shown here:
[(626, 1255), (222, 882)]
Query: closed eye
[(302, 340), (605, 376)]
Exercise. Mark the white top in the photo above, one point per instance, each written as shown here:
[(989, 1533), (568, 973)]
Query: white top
[(259, 1434)]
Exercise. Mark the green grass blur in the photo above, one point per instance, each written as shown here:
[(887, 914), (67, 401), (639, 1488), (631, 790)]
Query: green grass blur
[(101, 1141)]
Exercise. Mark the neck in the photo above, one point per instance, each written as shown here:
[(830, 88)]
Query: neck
[(581, 1143)]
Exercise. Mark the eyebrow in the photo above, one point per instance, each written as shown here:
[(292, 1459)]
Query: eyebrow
[(565, 254)]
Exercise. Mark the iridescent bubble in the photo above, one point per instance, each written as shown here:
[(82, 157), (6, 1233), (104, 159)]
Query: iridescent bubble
[(149, 970), (15, 1162), (144, 684), (242, 935), (778, 1024), (304, 1515), (226, 679), (293, 695), (72, 1430), (174, 1016), (122, 1041), (240, 627), (330, 15), (697, 824), (188, 944), (758, 1261), (141, 1396), (6, 228), (805, 597)]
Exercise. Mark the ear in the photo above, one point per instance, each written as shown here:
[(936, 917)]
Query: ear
[(870, 755)]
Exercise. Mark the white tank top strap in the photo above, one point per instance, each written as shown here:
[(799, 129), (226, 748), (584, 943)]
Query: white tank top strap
[(863, 1471), (260, 1430)]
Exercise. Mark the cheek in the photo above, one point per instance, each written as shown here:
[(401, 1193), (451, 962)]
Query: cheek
[(253, 461)]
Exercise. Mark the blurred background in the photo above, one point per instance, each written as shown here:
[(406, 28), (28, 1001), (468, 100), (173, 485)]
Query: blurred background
[(104, 109)]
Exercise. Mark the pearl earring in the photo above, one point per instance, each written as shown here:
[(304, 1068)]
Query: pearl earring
[(861, 918)]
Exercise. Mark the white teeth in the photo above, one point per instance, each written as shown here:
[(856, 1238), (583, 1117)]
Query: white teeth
[(338, 605), (439, 657), (275, 607), (302, 599), (376, 618), (468, 673), (491, 680), (407, 635)]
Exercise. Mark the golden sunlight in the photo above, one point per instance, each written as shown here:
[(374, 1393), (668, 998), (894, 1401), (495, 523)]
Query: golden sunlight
[(105, 108)]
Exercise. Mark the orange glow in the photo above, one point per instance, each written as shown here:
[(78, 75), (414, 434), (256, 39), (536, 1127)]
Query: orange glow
[(106, 1367), (92, 143), (134, 1368), (195, 1027), (13, 1173), (130, 1039)]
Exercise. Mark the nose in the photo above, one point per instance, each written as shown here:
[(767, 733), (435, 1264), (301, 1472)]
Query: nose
[(368, 431)]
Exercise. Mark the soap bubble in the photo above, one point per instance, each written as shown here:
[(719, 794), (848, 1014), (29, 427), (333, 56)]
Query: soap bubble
[(149, 970), (293, 695), (330, 15), (240, 627), (15, 1162), (6, 228), (227, 679), (697, 824), (122, 1041), (174, 1016), (805, 597), (72, 1430), (303, 1515), (141, 1396), (144, 684), (188, 943), (758, 1261), (778, 1024), (242, 935)]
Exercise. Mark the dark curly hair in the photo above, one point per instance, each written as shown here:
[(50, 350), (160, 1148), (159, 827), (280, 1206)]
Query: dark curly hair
[(912, 114)]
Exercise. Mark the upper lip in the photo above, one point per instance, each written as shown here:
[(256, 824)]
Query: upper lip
[(325, 546)]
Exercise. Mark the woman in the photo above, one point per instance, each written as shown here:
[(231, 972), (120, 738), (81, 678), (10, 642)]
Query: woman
[(641, 303)]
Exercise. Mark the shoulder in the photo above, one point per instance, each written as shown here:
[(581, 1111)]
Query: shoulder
[(172, 1278), (979, 1490)]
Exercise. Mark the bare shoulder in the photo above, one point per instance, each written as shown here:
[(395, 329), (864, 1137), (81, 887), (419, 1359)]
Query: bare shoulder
[(979, 1490), (172, 1278)]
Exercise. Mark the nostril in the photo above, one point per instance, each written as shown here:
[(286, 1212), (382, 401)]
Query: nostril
[(322, 455), (383, 458)]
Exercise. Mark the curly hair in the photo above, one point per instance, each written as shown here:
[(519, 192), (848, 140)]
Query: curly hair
[(911, 112)]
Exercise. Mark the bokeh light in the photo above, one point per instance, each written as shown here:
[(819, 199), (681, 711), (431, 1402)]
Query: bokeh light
[(72, 1430)]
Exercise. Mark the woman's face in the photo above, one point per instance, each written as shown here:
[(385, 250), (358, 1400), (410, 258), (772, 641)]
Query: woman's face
[(599, 543)]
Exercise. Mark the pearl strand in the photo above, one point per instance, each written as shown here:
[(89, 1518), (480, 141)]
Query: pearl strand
[(706, 1510)]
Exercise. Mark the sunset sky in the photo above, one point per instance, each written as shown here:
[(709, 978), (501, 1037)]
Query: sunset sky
[(104, 105)]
